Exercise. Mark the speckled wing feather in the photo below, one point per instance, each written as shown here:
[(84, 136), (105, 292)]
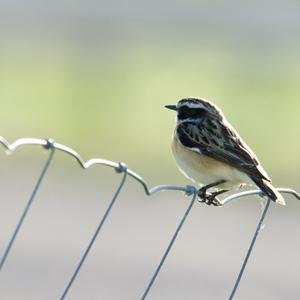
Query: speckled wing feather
[(222, 143)]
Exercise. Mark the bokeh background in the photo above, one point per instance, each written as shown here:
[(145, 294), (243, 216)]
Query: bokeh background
[(95, 76)]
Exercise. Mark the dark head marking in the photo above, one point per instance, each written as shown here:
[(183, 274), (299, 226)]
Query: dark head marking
[(196, 109)]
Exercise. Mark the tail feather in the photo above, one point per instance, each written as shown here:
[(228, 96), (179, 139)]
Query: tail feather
[(269, 190)]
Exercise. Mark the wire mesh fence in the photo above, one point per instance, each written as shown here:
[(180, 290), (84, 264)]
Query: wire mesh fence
[(124, 172)]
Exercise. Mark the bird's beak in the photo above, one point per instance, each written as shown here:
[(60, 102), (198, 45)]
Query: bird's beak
[(172, 107)]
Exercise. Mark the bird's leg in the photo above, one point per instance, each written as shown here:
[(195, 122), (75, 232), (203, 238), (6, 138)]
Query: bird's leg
[(202, 192), (210, 198)]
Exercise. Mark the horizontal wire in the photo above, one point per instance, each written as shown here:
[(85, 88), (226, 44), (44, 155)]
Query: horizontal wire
[(49, 143)]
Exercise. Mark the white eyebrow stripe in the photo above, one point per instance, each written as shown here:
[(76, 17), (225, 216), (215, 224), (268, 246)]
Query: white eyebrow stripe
[(194, 105)]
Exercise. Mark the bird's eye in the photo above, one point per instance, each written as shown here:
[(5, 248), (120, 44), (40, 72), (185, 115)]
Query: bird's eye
[(184, 112)]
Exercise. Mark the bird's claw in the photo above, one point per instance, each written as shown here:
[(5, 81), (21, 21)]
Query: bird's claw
[(210, 198)]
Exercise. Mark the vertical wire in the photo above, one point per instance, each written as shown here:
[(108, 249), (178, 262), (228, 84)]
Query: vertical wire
[(166, 253), (27, 207), (86, 252), (236, 285)]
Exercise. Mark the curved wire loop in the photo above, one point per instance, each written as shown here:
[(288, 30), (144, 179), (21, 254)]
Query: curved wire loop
[(49, 143)]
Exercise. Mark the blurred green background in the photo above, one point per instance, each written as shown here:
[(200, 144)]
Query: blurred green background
[(96, 75)]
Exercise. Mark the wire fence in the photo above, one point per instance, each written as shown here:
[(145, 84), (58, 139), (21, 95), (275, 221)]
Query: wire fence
[(124, 172)]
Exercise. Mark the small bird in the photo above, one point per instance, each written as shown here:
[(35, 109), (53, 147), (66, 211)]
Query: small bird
[(210, 152)]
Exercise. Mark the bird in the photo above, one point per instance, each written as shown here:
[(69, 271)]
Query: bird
[(210, 152)]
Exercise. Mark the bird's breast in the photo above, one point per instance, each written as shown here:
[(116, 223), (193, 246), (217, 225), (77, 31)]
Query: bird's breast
[(204, 169)]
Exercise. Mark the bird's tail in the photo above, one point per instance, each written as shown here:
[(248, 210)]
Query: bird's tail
[(269, 190)]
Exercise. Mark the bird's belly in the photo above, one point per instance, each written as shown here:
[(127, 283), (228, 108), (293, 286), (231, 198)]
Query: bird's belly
[(205, 170)]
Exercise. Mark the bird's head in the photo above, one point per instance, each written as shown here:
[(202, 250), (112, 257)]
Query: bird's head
[(195, 109)]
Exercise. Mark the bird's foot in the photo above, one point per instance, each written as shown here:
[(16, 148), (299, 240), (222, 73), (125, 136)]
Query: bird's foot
[(210, 198)]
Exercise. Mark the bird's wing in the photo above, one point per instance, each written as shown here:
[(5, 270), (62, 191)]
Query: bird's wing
[(223, 144)]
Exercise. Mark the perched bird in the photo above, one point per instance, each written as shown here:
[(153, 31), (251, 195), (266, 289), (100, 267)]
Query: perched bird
[(209, 151)]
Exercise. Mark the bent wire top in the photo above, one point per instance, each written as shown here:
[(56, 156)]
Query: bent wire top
[(119, 167)]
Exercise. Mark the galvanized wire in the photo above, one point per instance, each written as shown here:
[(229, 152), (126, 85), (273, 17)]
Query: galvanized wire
[(27, 207), (122, 168), (260, 223), (189, 190), (167, 251)]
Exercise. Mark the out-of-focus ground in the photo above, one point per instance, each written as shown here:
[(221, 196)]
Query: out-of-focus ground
[(95, 76), (202, 265)]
